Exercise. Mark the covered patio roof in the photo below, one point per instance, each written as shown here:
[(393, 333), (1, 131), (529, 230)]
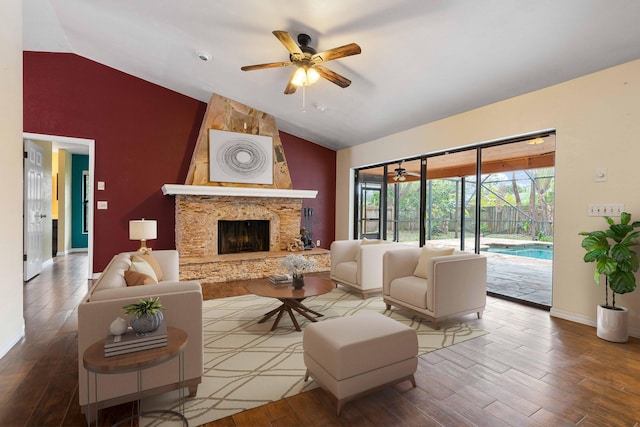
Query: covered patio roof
[(521, 155)]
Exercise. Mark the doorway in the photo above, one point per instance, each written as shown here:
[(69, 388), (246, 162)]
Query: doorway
[(78, 146)]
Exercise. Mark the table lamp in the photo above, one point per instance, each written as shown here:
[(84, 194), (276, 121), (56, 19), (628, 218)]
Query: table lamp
[(143, 230)]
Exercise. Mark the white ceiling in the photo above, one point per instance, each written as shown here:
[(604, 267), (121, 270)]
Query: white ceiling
[(421, 60)]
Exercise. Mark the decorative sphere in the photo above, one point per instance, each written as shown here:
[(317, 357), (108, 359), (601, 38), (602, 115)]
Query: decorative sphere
[(118, 326)]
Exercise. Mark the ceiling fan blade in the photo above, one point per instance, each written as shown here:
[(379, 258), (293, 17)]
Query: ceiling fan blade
[(288, 42), (263, 66), (338, 52), (332, 76), (291, 88)]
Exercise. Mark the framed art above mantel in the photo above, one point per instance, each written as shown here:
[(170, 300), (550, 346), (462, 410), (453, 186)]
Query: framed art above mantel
[(240, 157)]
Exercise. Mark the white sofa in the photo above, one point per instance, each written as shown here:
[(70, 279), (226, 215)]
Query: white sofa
[(358, 265), (455, 284), (104, 302)]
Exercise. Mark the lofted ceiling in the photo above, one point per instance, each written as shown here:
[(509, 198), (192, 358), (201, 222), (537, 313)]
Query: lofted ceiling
[(422, 60)]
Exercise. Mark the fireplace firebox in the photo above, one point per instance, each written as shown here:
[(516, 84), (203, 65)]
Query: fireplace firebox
[(243, 236)]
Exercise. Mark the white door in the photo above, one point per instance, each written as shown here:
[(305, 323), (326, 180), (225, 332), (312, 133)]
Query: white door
[(33, 209)]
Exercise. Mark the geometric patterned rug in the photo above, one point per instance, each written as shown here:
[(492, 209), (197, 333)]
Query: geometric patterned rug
[(246, 365)]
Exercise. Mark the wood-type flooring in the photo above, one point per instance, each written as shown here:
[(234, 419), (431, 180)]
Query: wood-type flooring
[(530, 370)]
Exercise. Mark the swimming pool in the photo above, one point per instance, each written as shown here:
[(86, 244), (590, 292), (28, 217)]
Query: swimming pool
[(530, 251)]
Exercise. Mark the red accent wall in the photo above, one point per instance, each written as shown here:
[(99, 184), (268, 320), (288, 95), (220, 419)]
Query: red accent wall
[(313, 167), (145, 135)]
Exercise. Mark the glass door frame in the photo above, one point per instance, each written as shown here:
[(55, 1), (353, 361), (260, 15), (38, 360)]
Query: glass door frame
[(423, 185)]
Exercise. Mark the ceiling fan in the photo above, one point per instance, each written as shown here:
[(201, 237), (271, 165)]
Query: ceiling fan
[(308, 62), (400, 173)]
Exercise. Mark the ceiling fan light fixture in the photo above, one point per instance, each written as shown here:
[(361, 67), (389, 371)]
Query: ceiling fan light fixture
[(312, 76), (305, 76)]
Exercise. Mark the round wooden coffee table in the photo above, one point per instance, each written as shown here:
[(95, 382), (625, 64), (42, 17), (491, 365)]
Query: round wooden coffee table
[(291, 298)]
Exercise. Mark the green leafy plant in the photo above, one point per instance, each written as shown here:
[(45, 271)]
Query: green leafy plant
[(144, 307), (611, 251)]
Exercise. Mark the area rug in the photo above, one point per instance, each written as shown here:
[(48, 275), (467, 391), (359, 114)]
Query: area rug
[(246, 365)]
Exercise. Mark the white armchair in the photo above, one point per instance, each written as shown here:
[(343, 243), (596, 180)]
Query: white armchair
[(358, 265), (455, 284)]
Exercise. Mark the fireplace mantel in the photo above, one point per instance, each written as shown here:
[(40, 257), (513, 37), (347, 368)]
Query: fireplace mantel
[(205, 190)]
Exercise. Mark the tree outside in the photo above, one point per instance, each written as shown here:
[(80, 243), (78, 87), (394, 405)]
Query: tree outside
[(514, 205)]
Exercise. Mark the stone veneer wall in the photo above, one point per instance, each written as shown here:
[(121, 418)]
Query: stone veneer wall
[(254, 265), (197, 236), (197, 220)]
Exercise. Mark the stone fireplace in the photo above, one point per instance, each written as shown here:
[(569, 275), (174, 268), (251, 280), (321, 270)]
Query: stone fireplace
[(199, 212), (202, 205)]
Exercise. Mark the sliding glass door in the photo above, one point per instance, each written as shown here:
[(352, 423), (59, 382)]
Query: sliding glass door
[(450, 199), (403, 202), (495, 198), (369, 206)]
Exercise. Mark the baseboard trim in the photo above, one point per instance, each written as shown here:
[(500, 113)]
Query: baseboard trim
[(578, 318), (9, 344), (584, 320)]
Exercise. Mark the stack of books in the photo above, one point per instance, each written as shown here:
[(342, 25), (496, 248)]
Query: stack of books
[(130, 341), (280, 279)]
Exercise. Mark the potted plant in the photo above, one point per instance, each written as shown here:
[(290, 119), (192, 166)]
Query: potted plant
[(146, 314), (297, 265), (611, 251)]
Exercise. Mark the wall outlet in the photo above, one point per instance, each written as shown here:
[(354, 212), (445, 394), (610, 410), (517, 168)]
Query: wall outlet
[(103, 205), (318, 243), (608, 209)]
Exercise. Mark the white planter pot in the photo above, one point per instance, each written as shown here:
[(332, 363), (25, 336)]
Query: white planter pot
[(612, 324)]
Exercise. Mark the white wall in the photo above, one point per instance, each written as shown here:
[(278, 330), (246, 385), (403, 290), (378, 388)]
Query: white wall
[(597, 118), (11, 319)]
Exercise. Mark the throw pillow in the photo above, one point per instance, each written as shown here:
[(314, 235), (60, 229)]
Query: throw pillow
[(141, 265), (366, 241), (425, 255), (149, 258), (133, 278)]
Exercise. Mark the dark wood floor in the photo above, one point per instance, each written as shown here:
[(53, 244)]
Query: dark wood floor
[(531, 369)]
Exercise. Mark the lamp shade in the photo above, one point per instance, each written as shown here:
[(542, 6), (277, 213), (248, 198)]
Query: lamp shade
[(143, 229), (305, 76)]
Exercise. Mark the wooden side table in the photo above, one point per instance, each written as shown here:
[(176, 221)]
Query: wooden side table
[(94, 361)]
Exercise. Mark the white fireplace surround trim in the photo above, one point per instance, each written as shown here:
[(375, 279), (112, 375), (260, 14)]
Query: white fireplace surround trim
[(205, 190)]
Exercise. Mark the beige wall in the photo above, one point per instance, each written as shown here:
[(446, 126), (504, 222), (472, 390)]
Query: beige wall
[(11, 319), (597, 118), (64, 201)]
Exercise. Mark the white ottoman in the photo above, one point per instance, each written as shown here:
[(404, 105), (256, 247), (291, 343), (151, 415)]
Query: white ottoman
[(354, 355)]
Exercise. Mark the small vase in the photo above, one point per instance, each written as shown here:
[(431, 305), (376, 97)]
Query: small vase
[(148, 323), (298, 281)]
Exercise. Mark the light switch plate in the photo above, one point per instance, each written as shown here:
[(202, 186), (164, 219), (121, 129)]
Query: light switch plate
[(100, 185), (102, 204)]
